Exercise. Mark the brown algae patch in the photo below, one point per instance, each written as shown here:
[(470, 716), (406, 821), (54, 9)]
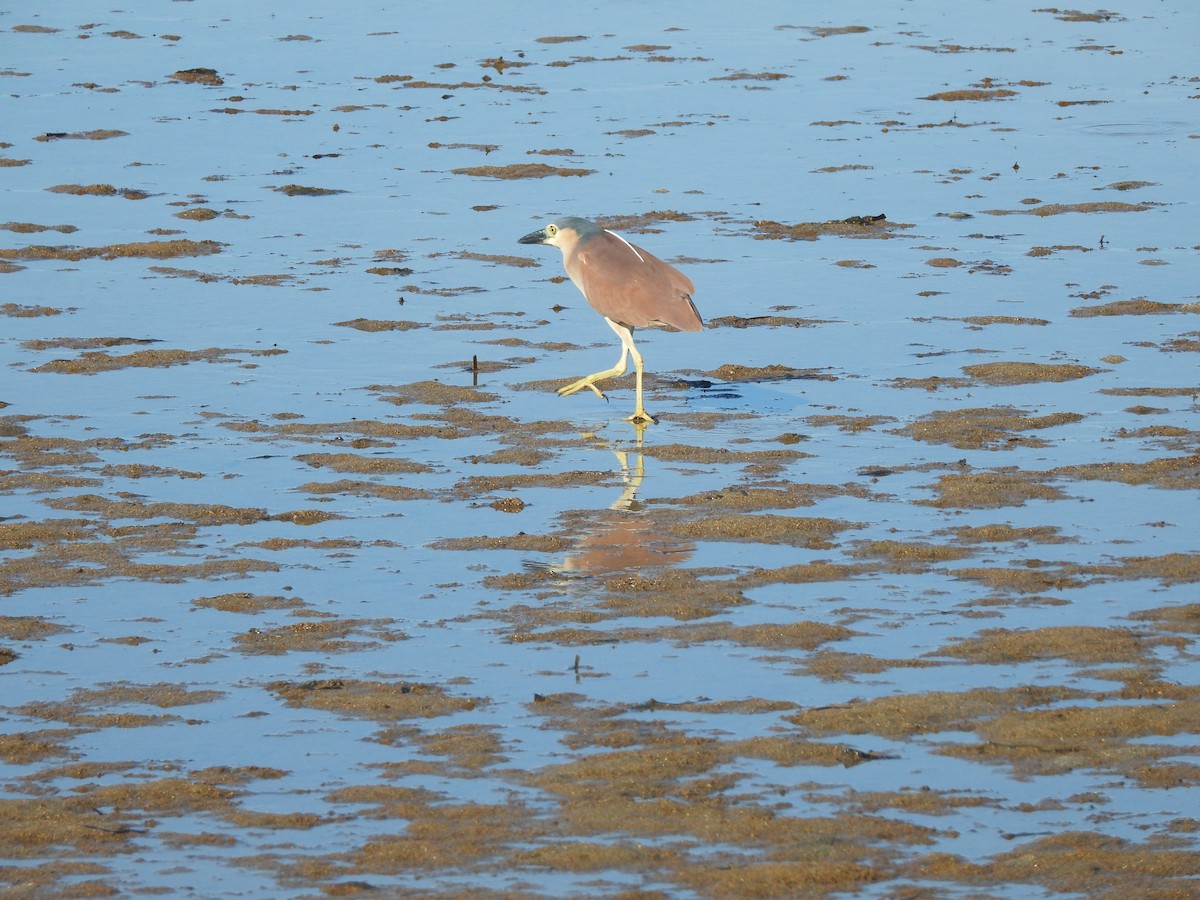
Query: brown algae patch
[(752, 76), (112, 806), (110, 705), (909, 555), (973, 95), (771, 321), (525, 543), (82, 343), (778, 372), (1176, 472), (90, 553), (521, 170), (28, 628), (813, 532), (1004, 533), (836, 665), (766, 495), (24, 748), (301, 190), (1138, 306), (1003, 320), (98, 190), (996, 428), (432, 393), (246, 603), (1109, 737), (95, 134), (1082, 644), (89, 363), (984, 490), (912, 715), (1027, 372), (1082, 863), (671, 791), (1183, 619), (769, 636), (932, 383), (324, 636), (150, 249), (360, 488), (712, 455), (380, 324), (204, 76), (645, 222), (382, 701), (855, 226), (846, 423), (210, 277), (1058, 209), (356, 463), (679, 594)]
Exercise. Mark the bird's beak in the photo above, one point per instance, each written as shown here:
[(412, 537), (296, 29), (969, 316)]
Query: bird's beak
[(534, 237)]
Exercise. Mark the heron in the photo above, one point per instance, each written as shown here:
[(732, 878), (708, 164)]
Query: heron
[(630, 287)]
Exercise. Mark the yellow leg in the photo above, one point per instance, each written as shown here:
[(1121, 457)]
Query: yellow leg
[(589, 381), (640, 416)]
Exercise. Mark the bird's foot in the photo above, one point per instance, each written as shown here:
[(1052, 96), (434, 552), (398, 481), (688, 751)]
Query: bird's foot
[(568, 390), (641, 417)]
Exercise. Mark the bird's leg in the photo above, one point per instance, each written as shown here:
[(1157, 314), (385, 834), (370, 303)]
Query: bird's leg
[(640, 416), (589, 381)]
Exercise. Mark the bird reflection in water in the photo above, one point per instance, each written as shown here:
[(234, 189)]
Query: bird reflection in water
[(623, 539)]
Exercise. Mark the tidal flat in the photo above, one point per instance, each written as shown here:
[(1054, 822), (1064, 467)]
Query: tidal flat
[(311, 585)]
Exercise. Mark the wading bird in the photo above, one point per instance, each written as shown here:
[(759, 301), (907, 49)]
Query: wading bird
[(628, 286)]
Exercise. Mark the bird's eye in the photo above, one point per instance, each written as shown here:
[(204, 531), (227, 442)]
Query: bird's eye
[(551, 230)]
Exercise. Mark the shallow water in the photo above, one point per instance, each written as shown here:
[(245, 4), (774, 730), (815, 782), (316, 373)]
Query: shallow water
[(898, 595)]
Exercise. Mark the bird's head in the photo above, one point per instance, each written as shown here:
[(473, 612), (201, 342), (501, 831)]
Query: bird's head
[(563, 233)]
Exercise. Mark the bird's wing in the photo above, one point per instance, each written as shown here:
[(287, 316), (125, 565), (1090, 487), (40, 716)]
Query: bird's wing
[(632, 286)]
